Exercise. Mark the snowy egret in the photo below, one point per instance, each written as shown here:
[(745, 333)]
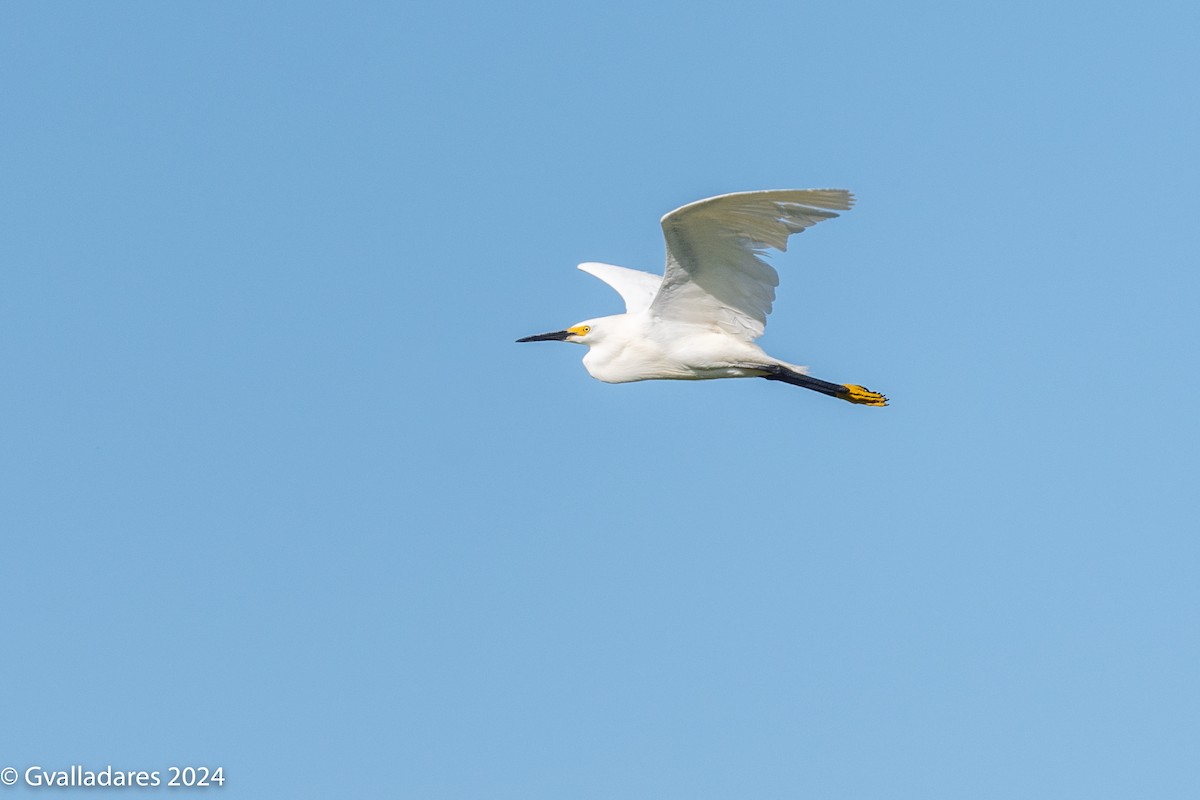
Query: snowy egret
[(700, 318)]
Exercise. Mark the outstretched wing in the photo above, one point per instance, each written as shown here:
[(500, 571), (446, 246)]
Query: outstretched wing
[(715, 273), (636, 288)]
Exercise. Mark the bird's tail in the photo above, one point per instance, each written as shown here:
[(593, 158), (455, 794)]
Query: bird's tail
[(851, 393)]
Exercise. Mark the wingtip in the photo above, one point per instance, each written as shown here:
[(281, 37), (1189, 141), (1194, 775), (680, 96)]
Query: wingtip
[(841, 199)]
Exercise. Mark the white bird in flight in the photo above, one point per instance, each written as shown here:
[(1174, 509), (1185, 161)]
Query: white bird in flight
[(699, 319)]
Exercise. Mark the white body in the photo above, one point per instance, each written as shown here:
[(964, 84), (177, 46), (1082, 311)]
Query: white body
[(639, 347)]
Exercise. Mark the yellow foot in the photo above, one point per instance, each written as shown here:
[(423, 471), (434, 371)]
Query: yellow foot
[(863, 396)]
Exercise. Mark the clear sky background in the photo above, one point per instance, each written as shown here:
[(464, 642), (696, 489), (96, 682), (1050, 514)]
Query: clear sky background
[(279, 493)]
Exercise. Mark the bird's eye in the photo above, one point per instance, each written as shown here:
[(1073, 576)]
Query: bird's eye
[(587, 329)]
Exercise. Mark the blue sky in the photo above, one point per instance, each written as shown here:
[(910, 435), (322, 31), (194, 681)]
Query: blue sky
[(279, 492)]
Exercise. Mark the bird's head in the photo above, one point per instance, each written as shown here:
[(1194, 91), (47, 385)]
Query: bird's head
[(584, 333)]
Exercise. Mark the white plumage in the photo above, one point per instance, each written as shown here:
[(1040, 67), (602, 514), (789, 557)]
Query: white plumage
[(700, 318)]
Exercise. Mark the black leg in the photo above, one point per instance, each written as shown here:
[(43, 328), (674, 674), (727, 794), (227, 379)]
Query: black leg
[(849, 393)]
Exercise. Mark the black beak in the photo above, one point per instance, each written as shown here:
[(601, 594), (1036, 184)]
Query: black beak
[(557, 336)]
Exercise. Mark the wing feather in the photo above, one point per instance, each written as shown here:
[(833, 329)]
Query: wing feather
[(715, 272), (636, 288)]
